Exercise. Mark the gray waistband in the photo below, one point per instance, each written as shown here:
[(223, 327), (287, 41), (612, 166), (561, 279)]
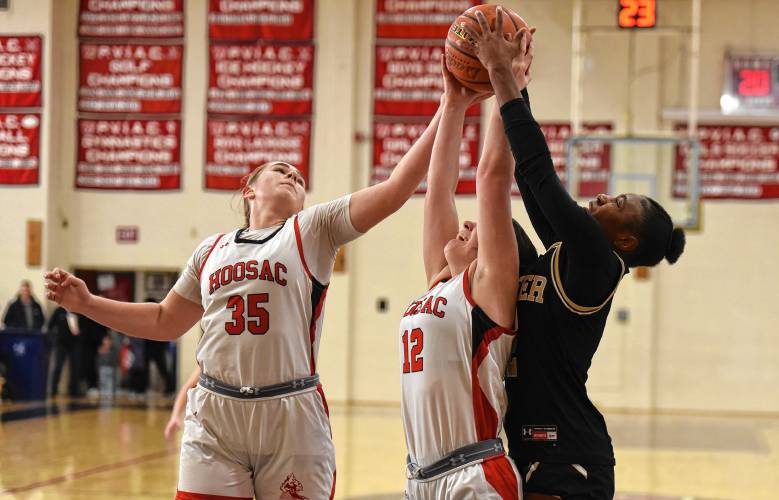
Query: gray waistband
[(248, 392), (456, 459)]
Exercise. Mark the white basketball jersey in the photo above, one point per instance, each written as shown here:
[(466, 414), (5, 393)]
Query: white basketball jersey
[(263, 294), (453, 359)]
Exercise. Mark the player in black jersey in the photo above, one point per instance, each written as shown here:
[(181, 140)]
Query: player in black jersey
[(556, 435)]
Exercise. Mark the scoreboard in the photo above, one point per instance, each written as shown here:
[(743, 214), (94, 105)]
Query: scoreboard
[(751, 84)]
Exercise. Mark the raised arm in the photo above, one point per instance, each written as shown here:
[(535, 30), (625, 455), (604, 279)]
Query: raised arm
[(168, 320), (543, 229), (495, 278), (372, 204), (440, 219)]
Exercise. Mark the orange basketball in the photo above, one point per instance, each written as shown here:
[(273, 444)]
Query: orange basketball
[(461, 61)]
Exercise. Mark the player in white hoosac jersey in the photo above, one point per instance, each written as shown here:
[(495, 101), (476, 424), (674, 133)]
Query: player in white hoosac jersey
[(257, 425), (455, 340)]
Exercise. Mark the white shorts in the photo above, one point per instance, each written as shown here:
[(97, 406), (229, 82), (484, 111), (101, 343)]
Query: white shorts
[(493, 479), (264, 448)]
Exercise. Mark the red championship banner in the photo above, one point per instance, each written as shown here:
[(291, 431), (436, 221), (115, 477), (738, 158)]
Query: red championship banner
[(129, 154), (418, 18), (736, 162), (408, 81), (261, 79), (20, 71), (392, 139), (130, 78), (593, 159), (131, 19), (235, 147), (19, 148), (277, 20)]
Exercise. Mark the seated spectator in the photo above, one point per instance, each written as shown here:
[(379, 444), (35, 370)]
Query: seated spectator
[(25, 312)]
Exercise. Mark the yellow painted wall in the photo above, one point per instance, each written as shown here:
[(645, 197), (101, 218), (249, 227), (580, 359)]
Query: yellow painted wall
[(700, 335)]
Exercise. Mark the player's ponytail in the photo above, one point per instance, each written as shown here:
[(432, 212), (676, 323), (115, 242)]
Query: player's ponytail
[(657, 237)]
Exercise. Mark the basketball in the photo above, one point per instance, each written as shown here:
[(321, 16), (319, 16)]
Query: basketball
[(461, 61)]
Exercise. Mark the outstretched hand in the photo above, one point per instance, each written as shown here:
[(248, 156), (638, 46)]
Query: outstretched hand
[(66, 290), (457, 93), (495, 50)]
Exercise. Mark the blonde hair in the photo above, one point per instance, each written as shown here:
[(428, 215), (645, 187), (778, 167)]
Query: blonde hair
[(248, 180)]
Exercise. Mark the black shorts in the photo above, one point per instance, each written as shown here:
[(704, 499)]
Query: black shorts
[(568, 481)]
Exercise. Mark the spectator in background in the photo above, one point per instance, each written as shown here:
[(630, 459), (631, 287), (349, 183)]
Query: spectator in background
[(93, 334), (64, 334), (25, 312), (155, 352)]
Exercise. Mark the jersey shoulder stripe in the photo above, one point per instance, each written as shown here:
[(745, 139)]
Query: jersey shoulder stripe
[(210, 250), (558, 285)]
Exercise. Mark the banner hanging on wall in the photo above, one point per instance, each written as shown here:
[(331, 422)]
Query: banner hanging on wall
[(261, 79), (20, 71), (392, 139), (135, 18), (408, 82), (19, 148), (736, 162), (234, 147), (129, 154), (130, 78), (278, 20), (593, 159), (429, 19)]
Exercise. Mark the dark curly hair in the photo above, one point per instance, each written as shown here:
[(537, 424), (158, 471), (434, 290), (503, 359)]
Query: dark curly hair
[(657, 237)]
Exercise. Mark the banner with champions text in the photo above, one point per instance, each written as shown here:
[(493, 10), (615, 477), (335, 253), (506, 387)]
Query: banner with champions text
[(137, 154), (392, 138), (593, 159), (131, 19), (736, 162), (277, 20), (235, 146), (261, 79), (130, 78), (408, 81), (420, 19), (20, 71), (19, 148)]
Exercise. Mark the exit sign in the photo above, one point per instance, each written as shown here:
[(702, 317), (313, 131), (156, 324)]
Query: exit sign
[(127, 234), (637, 14)]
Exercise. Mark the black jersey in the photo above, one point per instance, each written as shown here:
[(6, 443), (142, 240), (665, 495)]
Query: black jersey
[(564, 299), (550, 417)]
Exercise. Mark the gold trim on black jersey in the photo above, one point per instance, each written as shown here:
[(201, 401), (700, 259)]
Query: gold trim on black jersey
[(558, 284)]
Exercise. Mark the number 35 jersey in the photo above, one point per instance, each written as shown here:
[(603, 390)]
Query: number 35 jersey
[(453, 358), (263, 294)]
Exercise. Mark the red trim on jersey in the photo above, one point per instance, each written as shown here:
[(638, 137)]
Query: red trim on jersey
[(299, 241), (203, 265), (186, 495), (315, 314), (327, 412), (484, 414), (467, 286), (501, 476)]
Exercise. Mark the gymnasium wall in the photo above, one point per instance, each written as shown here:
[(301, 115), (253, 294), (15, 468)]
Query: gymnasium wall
[(699, 336)]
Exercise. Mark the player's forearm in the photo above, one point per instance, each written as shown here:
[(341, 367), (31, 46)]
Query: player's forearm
[(142, 320), (445, 153), (504, 83), (412, 168)]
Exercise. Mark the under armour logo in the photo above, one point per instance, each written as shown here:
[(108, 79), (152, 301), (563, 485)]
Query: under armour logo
[(210, 383), (19, 349), (459, 459), (297, 383), (247, 390)]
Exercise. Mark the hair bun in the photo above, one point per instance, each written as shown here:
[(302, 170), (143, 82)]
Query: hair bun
[(676, 245)]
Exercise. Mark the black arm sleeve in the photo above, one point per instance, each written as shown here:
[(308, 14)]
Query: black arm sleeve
[(537, 219), (590, 268)]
